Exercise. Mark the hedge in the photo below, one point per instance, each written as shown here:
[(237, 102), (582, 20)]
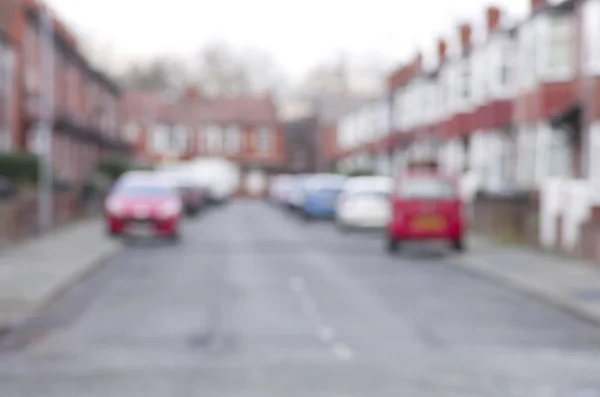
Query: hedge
[(112, 167), (19, 167)]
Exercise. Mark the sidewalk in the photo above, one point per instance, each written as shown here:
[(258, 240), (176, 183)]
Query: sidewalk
[(34, 272), (569, 283)]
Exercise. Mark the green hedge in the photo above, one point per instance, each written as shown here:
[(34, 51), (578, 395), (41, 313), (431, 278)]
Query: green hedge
[(112, 167), (19, 168)]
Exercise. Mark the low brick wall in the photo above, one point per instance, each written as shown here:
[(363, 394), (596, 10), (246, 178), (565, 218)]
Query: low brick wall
[(513, 218), (19, 216)]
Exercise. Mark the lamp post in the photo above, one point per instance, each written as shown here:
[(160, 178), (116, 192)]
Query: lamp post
[(45, 128)]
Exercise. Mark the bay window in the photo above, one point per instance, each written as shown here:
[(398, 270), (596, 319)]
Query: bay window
[(558, 48), (527, 56)]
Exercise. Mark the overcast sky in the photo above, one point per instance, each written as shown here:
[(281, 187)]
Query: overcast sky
[(297, 34)]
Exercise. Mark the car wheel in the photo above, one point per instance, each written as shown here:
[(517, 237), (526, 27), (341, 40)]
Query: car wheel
[(342, 227), (458, 245), (175, 238), (392, 245)]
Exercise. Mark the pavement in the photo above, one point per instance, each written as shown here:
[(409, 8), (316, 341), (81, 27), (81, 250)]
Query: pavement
[(34, 272), (256, 302)]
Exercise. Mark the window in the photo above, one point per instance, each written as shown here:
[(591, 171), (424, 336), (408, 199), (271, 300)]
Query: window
[(5, 139), (465, 80), (591, 37), (233, 139), (426, 188), (527, 56), (160, 138), (560, 45), (264, 137), (214, 139), (131, 132), (200, 139), (179, 138)]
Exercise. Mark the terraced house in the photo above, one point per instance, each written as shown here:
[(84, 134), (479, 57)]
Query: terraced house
[(517, 104), (85, 103), (7, 92), (243, 129)]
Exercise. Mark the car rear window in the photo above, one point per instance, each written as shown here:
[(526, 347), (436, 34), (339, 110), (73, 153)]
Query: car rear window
[(426, 189), (134, 190)]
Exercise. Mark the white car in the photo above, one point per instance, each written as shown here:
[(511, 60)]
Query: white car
[(278, 188), (365, 202), (294, 192)]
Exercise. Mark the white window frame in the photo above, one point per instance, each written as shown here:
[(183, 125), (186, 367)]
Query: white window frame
[(556, 33), (259, 139), (131, 131), (590, 31), (179, 139), (527, 50), (159, 138), (233, 139), (214, 138)]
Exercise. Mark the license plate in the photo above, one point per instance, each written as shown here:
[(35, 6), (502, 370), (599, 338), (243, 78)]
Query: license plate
[(140, 229), (429, 224)]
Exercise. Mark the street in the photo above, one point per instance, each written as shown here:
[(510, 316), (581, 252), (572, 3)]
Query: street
[(255, 302)]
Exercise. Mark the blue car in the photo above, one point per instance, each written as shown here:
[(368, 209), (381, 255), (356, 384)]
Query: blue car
[(320, 195)]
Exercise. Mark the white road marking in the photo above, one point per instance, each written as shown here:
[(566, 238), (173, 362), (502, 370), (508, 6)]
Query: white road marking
[(326, 334), (296, 284), (342, 351)]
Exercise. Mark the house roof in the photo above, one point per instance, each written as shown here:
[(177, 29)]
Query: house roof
[(245, 109)]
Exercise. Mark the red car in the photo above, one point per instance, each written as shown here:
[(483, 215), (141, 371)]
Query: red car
[(144, 208), (426, 205)]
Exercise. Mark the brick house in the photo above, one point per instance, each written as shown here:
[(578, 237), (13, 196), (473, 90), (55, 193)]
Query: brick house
[(242, 129), (301, 142), (7, 92), (86, 102)]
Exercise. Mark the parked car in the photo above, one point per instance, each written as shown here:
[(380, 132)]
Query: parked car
[(426, 206), (364, 202), (278, 188), (293, 195), (320, 195), (144, 206)]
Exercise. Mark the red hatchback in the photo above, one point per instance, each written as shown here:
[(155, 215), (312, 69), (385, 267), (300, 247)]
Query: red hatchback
[(144, 208), (426, 206)]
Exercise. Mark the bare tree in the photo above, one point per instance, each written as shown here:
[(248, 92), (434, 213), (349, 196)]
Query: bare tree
[(329, 78), (222, 70), (160, 74)]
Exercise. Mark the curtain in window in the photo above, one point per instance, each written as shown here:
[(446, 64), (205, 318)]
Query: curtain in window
[(560, 47)]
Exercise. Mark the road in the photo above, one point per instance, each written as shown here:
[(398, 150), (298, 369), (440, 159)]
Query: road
[(257, 303)]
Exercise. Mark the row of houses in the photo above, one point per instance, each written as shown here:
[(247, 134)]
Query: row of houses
[(85, 104), (93, 117), (515, 103)]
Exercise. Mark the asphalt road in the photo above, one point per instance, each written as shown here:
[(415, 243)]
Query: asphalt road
[(255, 302)]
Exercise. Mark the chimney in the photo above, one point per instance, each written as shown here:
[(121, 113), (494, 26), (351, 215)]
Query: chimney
[(442, 48), (464, 32), (192, 94), (537, 4), (493, 18)]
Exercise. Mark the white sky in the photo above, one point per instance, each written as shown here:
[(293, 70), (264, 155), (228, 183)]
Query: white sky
[(297, 34)]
